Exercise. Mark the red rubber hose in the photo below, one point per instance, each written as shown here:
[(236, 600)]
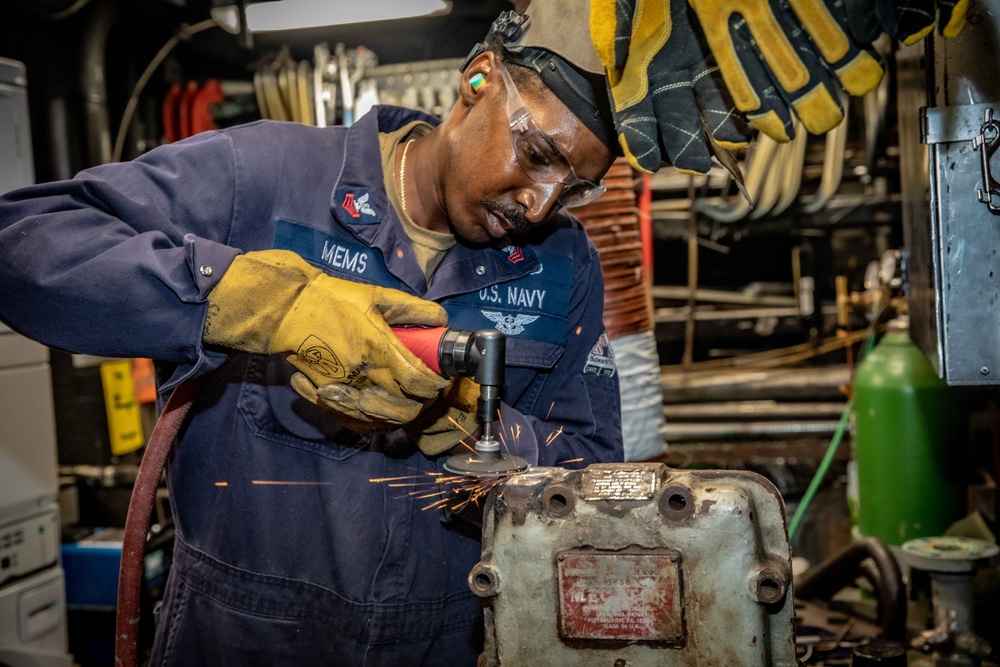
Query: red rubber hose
[(140, 508)]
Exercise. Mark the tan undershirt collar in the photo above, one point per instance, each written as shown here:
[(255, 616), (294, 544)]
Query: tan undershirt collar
[(429, 246)]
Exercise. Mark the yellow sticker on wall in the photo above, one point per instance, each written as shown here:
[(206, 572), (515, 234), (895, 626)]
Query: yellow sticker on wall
[(124, 419)]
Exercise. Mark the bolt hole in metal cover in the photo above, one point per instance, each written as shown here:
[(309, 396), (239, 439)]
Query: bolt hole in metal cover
[(483, 581), (558, 501), (771, 587), (676, 503)]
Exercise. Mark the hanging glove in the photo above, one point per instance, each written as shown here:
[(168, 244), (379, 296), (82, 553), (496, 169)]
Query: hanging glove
[(906, 20), (775, 61), (336, 332), (663, 81), (449, 420)]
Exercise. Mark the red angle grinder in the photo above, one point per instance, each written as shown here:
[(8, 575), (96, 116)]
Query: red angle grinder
[(480, 355)]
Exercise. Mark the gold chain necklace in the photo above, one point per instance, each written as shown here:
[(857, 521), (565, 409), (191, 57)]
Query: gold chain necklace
[(402, 175)]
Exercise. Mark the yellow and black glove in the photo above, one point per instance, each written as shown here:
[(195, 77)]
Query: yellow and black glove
[(776, 61), (668, 97), (906, 20), (335, 332), (447, 421)]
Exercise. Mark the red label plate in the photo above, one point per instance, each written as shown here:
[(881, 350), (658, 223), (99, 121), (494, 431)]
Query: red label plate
[(620, 596)]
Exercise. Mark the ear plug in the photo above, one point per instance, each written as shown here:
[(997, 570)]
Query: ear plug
[(477, 81)]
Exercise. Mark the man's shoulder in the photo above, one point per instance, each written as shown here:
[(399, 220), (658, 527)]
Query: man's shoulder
[(280, 130), (564, 233)]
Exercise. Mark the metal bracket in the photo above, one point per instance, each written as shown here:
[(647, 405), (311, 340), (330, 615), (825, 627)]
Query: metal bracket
[(987, 143)]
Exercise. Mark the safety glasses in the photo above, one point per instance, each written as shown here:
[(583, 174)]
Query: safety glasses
[(539, 157)]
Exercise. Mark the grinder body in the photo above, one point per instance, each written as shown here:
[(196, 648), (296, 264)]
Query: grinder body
[(480, 355)]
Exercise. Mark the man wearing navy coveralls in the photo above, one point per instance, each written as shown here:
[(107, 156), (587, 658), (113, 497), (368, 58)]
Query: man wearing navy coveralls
[(271, 260)]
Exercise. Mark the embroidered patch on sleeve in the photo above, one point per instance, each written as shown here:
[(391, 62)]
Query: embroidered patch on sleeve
[(601, 360)]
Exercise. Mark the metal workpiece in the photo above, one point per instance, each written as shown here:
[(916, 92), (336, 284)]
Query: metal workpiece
[(634, 564)]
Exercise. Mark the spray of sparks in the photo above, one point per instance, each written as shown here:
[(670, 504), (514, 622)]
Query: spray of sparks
[(441, 491), (438, 489), (456, 492)]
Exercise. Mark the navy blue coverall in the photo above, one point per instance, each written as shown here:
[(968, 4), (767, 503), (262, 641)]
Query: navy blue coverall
[(341, 570)]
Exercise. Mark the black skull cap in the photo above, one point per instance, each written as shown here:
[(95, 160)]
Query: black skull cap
[(585, 93)]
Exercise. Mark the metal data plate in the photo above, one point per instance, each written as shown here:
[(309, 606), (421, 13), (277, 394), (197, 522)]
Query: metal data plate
[(966, 243), (601, 484), (631, 596)]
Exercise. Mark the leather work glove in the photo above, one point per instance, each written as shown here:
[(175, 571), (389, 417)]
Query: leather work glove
[(356, 409), (449, 420), (906, 20), (335, 332), (663, 84), (775, 60)]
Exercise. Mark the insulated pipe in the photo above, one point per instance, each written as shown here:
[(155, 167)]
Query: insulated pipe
[(744, 430), (806, 384), (791, 174), (759, 161), (833, 574), (833, 168), (93, 79)]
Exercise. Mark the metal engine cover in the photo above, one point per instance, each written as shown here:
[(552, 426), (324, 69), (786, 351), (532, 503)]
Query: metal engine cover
[(633, 564)]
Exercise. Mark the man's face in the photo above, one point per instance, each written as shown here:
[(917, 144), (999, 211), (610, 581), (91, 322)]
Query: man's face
[(490, 194)]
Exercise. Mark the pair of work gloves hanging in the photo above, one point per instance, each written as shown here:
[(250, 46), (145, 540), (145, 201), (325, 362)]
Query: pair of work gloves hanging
[(338, 335), (681, 71)]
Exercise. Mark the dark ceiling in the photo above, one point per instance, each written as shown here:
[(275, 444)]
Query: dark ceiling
[(449, 36), (143, 25)]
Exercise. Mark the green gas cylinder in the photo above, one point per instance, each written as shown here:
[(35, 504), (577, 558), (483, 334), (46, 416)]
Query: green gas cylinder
[(909, 466)]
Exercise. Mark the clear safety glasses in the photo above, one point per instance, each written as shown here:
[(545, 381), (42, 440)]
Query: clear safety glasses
[(539, 157)]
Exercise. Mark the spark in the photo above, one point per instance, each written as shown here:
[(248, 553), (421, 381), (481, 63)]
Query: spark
[(454, 492), (429, 495), (559, 463), (222, 483), (517, 438), (550, 410), (437, 504), (462, 442), (460, 427), (394, 479), (552, 436), (279, 483)]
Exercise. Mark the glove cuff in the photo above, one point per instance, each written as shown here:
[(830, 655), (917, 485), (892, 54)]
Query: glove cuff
[(247, 306)]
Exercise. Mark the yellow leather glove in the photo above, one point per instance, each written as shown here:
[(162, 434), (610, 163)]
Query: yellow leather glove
[(775, 61), (907, 20), (663, 82), (447, 421), (336, 332)]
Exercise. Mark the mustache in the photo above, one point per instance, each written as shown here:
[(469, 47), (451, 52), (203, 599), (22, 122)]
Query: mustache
[(511, 212)]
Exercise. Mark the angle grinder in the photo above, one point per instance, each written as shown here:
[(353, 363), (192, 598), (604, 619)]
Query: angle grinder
[(480, 355)]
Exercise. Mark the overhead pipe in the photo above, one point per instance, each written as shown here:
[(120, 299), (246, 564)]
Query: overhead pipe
[(93, 80)]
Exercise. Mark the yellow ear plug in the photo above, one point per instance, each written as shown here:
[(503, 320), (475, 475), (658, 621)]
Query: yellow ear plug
[(477, 81)]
